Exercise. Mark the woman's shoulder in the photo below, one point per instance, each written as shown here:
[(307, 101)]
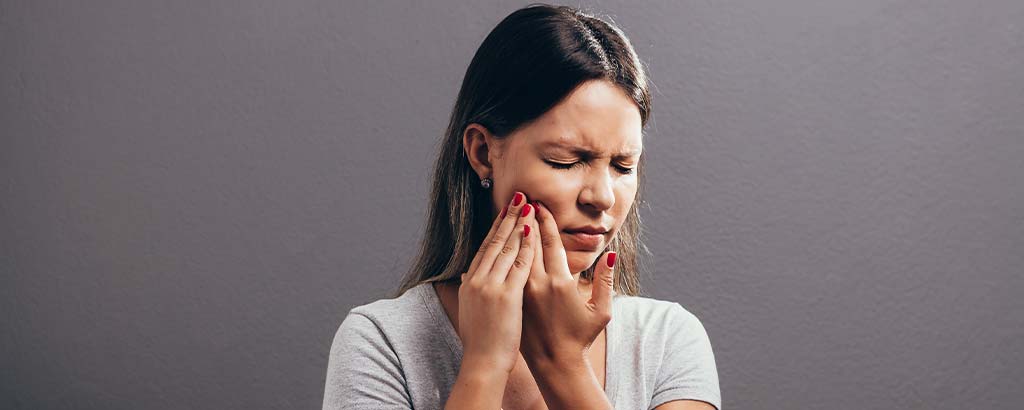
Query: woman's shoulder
[(671, 345), (403, 308), (399, 324), (642, 311)]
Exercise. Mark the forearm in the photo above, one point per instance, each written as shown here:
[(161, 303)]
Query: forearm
[(569, 384), (478, 386)]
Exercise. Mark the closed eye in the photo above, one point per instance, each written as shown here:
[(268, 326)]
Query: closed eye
[(559, 165)]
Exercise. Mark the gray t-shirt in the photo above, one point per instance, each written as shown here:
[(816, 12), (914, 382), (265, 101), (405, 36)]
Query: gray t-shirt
[(403, 353)]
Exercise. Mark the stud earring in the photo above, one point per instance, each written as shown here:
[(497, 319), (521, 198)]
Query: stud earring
[(486, 183)]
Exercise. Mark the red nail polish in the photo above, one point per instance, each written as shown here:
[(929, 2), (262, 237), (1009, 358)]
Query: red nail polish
[(611, 259), (518, 199), (503, 210), (526, 230), (526, 210)]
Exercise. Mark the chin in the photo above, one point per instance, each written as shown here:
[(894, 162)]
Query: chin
[(579, 261)]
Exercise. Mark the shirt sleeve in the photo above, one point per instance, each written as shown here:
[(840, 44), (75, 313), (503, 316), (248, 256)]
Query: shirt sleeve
[(688, 366), (363, 371)]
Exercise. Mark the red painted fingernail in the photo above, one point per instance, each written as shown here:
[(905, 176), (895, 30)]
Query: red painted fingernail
[(526, 210), (503, 210), (526, 230), (611, 259), (518, 199)]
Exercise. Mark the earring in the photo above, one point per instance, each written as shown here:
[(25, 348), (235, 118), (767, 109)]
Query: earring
[(486, 183)]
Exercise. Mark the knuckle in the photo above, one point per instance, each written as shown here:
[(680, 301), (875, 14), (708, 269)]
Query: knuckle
[(487, 240), (471, 284), (546, 240), (496, 242), (505, 297), (563, 285), (519, 263), (507, 249)]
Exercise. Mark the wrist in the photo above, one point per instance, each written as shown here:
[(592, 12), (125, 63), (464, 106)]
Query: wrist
[(559, 365), (477, 386), (568, 382), (482, 370), (557, 359)]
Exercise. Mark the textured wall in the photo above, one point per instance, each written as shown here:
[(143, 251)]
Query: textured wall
[(192, 196)]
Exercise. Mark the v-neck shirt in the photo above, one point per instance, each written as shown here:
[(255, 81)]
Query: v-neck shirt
[(404, 353)]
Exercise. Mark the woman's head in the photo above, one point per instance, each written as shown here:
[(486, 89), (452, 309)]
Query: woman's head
[(579, 158), (550, 85)]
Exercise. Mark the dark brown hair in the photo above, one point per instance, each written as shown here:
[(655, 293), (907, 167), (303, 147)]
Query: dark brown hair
[(527, 64)]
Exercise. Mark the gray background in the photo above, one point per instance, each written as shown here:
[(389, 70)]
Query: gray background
[(193, 195)]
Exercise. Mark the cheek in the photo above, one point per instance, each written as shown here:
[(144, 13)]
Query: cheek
[(623, 204), (625, 195), (556, 194)]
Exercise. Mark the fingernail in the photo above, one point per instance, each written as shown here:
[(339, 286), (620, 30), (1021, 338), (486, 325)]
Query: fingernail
[(517, 199), (503, 210), (526, 210), (526, 230), (611, 259)]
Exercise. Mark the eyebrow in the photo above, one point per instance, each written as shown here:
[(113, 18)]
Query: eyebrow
[(586, 152)]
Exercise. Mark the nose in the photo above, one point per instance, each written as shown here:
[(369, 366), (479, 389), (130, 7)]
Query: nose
[(597, 192)]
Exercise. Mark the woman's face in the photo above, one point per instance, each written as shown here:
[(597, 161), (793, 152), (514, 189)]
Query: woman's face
[(579, 159)]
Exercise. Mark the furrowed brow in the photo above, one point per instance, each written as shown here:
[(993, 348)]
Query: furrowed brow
[(580, 151)]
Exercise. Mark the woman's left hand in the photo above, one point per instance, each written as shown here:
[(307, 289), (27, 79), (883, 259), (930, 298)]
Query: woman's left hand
[(559, 323)]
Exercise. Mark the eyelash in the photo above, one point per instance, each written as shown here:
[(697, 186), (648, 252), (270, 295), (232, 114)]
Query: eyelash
[(559, 165)]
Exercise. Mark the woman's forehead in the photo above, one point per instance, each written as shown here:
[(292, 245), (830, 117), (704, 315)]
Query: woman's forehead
[(597, 116), (608, 146)]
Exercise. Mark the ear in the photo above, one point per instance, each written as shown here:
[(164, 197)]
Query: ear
[(481, 148)]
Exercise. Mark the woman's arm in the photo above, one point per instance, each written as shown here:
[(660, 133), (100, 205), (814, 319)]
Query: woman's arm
[(363, 370), (491, 308), (478, 386), (568, 383), (560, 324), (687, 368)]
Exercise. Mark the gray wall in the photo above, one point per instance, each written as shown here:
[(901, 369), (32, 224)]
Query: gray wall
[(192, 196)]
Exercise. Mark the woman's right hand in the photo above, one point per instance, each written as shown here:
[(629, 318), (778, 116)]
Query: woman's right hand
[(491, 294)]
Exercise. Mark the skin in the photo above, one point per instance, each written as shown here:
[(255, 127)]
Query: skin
[(598, 116), (548, 351)]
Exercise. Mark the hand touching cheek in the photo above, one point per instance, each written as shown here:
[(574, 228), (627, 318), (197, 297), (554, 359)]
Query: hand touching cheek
[(559, 323)]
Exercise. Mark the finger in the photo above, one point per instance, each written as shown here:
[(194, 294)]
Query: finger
[(508, 258), (490, 234), (604, 283), (555, 261), (493, 246), (521, 268), (537, 270)]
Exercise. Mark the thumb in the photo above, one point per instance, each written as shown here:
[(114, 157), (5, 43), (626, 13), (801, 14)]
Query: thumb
[(604, 283)]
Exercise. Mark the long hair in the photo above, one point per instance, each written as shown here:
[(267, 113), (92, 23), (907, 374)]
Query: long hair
[(526, 65)]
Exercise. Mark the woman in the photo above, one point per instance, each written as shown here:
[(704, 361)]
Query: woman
[(533, 199)]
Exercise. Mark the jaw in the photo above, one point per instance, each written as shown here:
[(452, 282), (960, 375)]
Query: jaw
[(580, 260)]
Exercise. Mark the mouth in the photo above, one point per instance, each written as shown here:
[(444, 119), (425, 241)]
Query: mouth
[(588, 241)]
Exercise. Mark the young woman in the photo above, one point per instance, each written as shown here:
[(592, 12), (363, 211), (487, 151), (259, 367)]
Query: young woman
[(525, 293)]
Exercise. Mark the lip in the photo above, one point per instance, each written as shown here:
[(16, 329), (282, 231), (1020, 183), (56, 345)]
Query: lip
[(586, 240), (591, 229)]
